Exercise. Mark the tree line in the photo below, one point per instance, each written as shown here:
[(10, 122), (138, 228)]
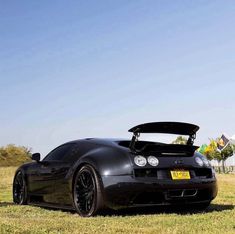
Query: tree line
[(12, 155)]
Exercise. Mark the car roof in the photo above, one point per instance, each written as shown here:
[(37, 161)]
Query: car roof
[(103, 141)]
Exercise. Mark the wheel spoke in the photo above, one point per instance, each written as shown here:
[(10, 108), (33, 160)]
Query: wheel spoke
[(83, 181), (21, 181), (86, 205), (18, 181)]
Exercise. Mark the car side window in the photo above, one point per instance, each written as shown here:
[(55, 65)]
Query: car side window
[(58, 153), (73, 155)]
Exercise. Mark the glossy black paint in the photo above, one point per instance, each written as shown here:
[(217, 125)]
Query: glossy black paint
[(36, 157), (124, 184), (166, 127)]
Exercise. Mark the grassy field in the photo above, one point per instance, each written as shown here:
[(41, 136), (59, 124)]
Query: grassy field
[(218, 218)]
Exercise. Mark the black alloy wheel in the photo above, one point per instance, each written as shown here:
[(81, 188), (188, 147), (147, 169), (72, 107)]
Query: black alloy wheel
[(88, 199), (19, 189)]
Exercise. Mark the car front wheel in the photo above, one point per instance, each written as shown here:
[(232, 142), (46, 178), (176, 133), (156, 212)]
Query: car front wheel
[(19, 189)]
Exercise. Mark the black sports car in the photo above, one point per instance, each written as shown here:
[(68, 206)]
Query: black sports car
[(92, 174)]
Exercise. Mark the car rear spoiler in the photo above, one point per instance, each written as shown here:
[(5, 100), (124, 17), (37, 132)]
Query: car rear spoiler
[(165, 127)]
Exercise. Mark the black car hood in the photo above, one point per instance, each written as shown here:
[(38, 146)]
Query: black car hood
[(166, 127)]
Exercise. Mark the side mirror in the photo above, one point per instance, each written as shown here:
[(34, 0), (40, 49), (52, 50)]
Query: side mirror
[(36, 157)]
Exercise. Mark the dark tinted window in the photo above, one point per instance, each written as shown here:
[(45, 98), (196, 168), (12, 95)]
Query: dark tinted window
[(73, 155), (59, 153)]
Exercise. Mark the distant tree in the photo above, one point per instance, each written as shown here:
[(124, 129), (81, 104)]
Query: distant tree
[(180, 140), (212, 152), (224, 154), (233, 148), (12, 155)]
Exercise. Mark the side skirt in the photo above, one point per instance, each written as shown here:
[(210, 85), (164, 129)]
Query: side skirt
[(53, 206)]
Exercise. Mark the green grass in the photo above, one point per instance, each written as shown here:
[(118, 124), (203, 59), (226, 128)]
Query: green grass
[(218, 218)]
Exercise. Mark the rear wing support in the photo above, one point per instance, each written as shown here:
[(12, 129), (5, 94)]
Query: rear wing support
[(134, 139), (136, 134), (191, 139)]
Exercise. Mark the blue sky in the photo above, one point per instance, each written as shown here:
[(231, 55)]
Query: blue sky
[(75, 69)]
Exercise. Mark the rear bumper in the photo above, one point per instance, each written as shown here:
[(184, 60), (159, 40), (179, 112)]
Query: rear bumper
[(127, 191)]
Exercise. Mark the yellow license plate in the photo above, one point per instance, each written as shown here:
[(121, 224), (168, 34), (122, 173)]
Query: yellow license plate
[(180, 175)]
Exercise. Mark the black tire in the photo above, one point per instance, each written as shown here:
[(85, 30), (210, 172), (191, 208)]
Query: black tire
[(19, 189), (87, 192)]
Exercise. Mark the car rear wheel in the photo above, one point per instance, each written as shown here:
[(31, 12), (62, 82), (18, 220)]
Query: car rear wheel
[(87, 194), (19, 189)]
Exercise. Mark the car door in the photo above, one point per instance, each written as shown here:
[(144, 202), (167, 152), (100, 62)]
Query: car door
[(45, 173), (63, 193)]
